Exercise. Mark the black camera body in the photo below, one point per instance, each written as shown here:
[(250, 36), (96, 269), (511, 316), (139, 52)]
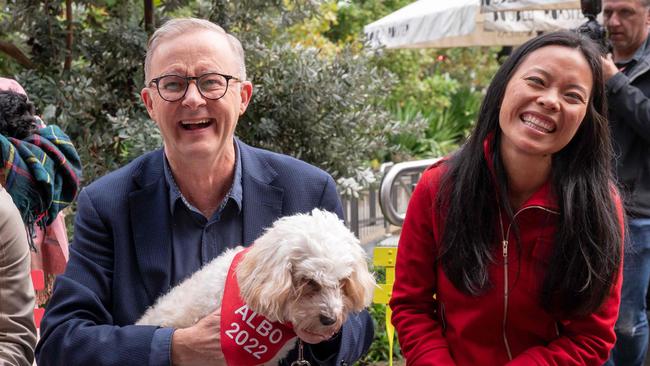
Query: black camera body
[(591, 28)]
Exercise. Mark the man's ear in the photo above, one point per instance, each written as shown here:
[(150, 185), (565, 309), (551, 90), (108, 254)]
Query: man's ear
[(147, 99), (245, 93)]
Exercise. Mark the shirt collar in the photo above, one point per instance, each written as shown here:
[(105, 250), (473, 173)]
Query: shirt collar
[(638, 55), (235, 193)]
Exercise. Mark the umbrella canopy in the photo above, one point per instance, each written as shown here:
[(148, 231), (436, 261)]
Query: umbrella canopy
[(460, 23), (501, 5)]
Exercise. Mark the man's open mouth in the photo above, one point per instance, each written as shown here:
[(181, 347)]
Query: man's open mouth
[(196, 125)]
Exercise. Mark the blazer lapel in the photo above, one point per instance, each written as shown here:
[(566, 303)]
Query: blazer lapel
[(149, 209), (262, 202)]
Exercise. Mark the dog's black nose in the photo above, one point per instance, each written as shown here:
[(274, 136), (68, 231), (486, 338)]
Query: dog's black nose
[(326, 320)]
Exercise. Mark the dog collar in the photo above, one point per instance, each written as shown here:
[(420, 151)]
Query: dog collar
[(248, 338)]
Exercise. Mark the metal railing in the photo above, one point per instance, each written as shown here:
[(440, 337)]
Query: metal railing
[(397, 186), (362, 215)]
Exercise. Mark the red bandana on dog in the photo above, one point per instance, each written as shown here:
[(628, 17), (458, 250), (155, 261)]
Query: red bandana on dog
[(247, 338)]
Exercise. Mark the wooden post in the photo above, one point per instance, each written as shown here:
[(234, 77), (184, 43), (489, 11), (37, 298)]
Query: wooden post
[(149, 18), (69, 36), (354, 216)]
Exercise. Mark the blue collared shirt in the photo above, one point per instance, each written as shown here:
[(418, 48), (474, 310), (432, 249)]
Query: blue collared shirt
[(197, 240)]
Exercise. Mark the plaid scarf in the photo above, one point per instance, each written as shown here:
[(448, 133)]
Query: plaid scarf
[(42, 173)]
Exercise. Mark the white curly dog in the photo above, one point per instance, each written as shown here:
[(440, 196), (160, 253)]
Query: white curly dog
[(307, 270)]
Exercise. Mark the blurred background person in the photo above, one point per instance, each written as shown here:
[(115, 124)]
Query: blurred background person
[(627, 75), (39, 176), (17, 330), (49, 241)]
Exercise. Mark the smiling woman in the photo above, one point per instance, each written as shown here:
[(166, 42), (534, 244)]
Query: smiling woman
[(519, 233)]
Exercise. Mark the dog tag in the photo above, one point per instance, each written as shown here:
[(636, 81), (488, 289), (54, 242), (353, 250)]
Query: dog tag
[(301, 359), (300, 363)]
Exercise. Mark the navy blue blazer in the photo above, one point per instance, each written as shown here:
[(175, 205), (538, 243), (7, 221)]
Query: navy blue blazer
[(120, 258)]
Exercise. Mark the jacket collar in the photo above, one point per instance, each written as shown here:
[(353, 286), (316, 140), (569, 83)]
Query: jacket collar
[(543, 197), (262, 197), (151, 227), (641, 65)]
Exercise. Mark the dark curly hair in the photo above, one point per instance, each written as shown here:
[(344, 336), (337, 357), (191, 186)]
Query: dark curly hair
[(16, 115)]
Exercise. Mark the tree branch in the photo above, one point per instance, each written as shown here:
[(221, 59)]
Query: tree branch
[(149, 17), (68, 38), (14, 52)]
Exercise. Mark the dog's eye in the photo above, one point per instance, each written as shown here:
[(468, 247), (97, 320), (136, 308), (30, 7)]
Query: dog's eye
[(313, 285)]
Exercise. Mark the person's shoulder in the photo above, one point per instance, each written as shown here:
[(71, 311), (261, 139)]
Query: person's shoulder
[(432, 176), (642, 68), (11, 224), (435, 171), (8, 211), (13, 237), (284, 165)]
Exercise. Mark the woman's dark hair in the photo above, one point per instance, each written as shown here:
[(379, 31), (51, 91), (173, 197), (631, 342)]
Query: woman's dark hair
[(16, 115), (587, 251)]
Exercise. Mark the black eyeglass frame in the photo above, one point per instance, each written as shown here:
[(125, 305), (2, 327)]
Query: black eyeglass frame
[(196, 79)]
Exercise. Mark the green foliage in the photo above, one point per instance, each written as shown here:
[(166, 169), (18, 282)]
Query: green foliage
[(325, 111), (352, 16), (473, 67), (443, 87), (96, 101), (260, 16), (447, 126), (379, 348)]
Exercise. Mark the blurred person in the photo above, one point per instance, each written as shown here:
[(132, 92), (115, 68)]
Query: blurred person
[(11, 85), (147, 226), (627, 76), (17, 330), (518, 234), (51, 242), (34, 173)]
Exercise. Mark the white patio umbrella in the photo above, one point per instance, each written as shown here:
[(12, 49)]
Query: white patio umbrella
[(460, 23), (501, 5)]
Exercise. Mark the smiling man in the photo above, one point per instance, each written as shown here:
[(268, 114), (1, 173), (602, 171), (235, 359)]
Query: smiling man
[(147, 226), (627, 74)]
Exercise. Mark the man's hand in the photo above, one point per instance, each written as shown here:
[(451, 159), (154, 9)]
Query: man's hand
[(199, 344), (609, 68)]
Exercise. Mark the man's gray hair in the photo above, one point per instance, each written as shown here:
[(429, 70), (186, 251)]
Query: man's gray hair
[(176, 27)]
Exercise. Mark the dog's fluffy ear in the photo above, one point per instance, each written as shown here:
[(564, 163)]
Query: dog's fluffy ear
[(360, 286), (265, 281)]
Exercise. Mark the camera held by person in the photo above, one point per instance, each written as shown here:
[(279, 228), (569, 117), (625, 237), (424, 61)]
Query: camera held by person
[(591, 28)]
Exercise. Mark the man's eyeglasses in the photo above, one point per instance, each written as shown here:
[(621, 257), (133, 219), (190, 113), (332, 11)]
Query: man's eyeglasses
[(212, 85)]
